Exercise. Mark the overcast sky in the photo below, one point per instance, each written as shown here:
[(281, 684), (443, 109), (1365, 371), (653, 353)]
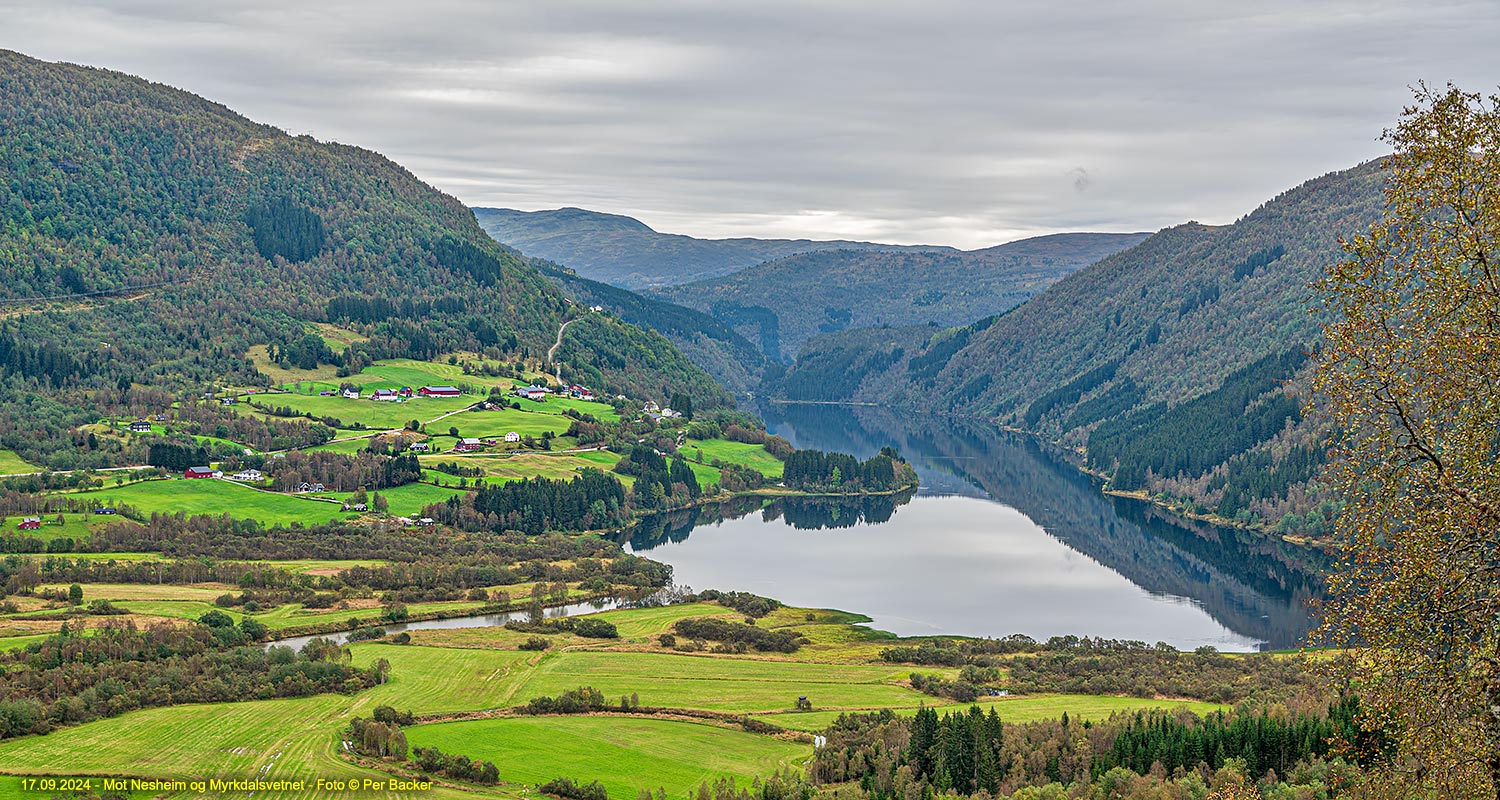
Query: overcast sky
[(962, 123)]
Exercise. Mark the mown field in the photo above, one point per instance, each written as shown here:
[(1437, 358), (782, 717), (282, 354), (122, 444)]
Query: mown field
[(750, 455), (207, 496), (640, 753), (12, 464), (455, 671)]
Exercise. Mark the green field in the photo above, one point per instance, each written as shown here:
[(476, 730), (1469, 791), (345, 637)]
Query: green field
[(76, 526), (405, 500), (495, 424), (722, 684), (346, 446), (376, 415), (528, 465), (12, 464), (626, 754), (753, 456), (206, 496), (1023, 708)]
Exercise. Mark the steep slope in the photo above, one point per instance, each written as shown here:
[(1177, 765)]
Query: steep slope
[(711, 344), (784, 303), (1171, 363), (149, 238), (628, 253)]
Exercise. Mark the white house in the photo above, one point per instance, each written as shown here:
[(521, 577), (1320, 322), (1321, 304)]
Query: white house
[(249, 475), (387, 395), (512, 437), (420, 447), (352, 394)]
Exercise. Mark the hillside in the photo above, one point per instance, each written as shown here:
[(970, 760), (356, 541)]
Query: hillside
[(626, 252), (784, 303), (149, 239), (711, 344), (1168, 362)]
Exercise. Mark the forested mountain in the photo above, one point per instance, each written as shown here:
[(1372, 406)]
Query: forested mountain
[(149, 237), (785, 302), (626, 252), (711, 344), (1175, 363)]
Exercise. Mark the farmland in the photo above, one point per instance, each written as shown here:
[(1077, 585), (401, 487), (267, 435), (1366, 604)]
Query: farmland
[(214, 497), (641, 753), (12, 464)]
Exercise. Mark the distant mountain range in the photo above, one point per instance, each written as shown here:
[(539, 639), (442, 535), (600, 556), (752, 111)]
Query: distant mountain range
[(1174, 364), (785, 302), (626, 252)]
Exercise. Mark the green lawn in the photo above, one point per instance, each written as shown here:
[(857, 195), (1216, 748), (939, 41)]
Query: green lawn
[(12, 464), (76, 526), (626, 754), (206, 496), (749, 455), (346, 446), (723, 684)]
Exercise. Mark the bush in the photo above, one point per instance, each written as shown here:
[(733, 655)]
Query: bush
[(535, 643), (565, 787)]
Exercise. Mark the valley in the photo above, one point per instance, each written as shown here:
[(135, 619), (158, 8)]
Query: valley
[(374, 488)]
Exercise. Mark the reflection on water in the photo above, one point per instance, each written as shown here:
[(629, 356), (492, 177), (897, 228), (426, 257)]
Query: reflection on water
[(1004, 537)]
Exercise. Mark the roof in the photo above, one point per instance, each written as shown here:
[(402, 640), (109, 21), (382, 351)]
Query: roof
[(470, 440), (451, 389)]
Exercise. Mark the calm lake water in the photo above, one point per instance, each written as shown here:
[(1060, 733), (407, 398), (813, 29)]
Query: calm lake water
[(1003, 537)]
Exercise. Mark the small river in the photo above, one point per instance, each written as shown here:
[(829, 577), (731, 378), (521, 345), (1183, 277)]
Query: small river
[(1004, 536)]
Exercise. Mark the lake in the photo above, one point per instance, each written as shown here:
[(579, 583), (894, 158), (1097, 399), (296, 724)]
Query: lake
[(1004, 536)]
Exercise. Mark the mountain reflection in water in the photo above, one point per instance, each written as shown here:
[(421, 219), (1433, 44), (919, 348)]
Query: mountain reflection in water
[(1004, 536)]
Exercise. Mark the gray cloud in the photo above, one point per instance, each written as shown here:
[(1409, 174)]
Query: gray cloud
[(942, 122)]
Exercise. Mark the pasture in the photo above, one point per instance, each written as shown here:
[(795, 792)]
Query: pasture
[(753, 456), (12, 464), (626, 754), (214, 497)]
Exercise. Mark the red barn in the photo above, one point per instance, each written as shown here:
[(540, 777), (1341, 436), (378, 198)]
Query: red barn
[(30, 524), (198, 472), (439, 391)]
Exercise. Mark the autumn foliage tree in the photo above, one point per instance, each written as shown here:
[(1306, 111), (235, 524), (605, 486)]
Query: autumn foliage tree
[(1410, 376)]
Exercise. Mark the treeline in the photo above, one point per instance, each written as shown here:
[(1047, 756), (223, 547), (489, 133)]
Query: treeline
[(343, 472), (67, 679), (1074, 665), (815, 470), (1189, 439), (264, 434), (381, 737), (658, 484), (591, 500), (1142, 755), (736, 637)]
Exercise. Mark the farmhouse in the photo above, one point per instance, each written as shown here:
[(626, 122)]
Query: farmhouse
[(532, 393), (512, 437), (439, 391), (249, 475), (351, 393), (105, 510), (140, 426), (420, 447), (201, 472), (387, 395), (30, 524), (468, 445), (406, 391)]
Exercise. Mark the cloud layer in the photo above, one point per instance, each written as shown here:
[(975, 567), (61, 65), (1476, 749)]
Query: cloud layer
[(962, 123)]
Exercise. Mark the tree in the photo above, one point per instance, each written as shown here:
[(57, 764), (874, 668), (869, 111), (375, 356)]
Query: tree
[(1410, 379), (75, 595)]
